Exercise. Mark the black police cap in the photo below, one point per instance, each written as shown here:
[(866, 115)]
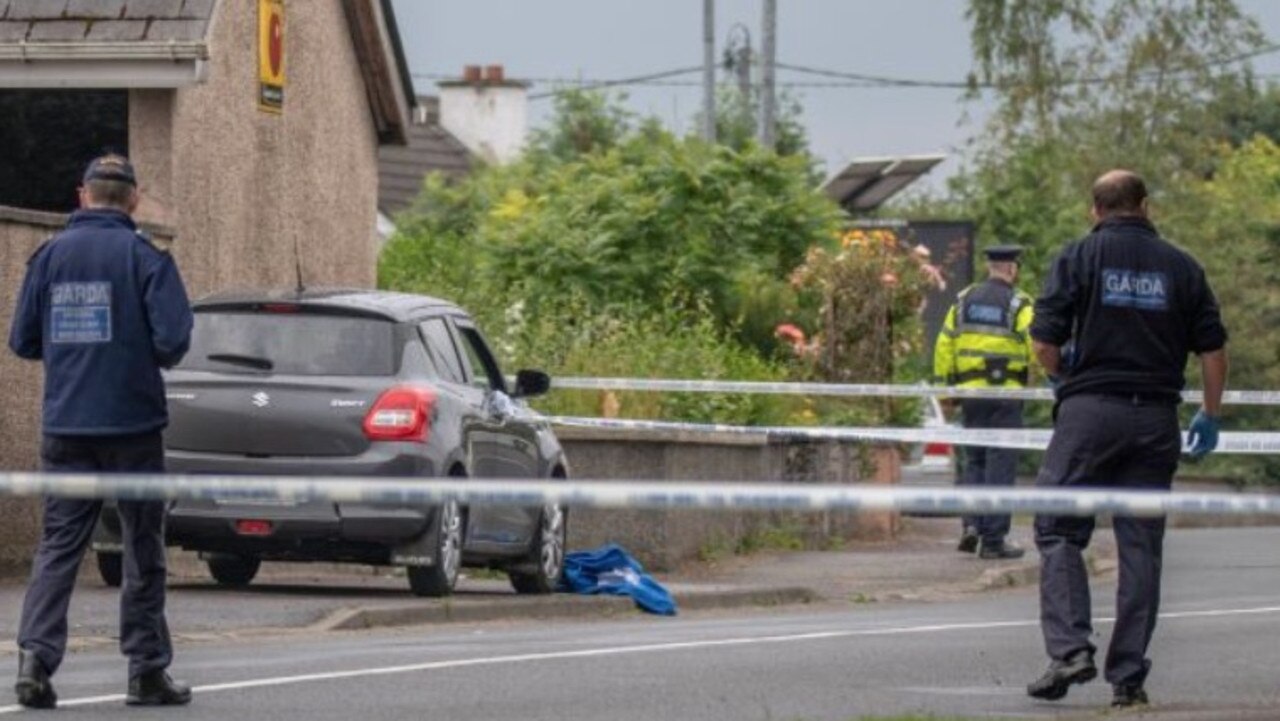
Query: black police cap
[(111, 167), (1003, 253)]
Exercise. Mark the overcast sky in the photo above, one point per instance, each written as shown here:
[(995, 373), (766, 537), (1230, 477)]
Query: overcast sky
[(622, 38)]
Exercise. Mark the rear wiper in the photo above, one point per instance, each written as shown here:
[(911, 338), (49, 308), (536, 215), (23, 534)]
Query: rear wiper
[(262, 364)]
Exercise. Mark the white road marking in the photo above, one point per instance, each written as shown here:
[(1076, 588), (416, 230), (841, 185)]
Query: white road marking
[(627, 650)]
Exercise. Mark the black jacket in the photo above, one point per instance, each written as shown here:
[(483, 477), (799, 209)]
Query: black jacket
[(1135, 307)]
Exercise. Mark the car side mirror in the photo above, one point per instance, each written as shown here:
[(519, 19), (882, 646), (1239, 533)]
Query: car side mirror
[(530, 383)]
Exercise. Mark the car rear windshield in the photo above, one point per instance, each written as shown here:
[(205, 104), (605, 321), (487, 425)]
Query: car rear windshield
[(291, 344)]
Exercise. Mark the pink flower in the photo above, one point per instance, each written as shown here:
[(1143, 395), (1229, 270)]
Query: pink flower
[(889, 279), (934, 275), (789, 333)]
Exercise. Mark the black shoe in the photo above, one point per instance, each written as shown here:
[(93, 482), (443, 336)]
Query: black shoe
[(33, 687), (1000, 551), (1128, 695), (1053, 685), (968, 541), (155, 688)]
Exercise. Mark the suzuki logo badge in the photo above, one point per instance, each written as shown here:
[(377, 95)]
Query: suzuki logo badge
[(261, 400)]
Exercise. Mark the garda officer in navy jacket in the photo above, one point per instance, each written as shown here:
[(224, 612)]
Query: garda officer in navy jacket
[(105, 310), (1134, 307)]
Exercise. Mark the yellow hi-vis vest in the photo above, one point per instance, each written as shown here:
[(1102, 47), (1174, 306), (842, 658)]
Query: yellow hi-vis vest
[(985, 340)]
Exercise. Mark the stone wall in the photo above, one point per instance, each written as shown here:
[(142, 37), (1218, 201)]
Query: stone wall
[(663, 540)]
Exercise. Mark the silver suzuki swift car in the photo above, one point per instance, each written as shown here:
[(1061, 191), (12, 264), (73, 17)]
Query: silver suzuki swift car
[(354, 383)]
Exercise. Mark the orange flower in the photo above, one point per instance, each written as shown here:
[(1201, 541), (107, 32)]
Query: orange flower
[(889, 279)]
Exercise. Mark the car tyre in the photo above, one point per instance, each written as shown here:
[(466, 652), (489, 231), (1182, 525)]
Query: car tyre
[(233, 571), (111, 568), (439, 578), (547, 554)]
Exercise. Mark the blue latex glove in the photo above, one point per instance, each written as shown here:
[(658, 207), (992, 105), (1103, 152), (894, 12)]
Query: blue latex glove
[(1203, 436)]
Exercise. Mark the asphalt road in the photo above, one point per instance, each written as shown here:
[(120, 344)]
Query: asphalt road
[(1216, 656)]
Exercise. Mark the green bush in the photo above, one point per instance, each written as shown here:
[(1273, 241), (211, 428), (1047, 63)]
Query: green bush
[(639, 221), (635, 343)]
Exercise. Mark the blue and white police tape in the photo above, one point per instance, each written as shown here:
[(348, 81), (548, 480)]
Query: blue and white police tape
[(1232, 443), (862, 390), (256, 491)]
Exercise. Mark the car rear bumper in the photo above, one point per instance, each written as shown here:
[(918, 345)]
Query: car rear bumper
[(295, 531)]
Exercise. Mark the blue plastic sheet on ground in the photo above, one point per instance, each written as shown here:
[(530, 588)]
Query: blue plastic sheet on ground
[(611, 570)]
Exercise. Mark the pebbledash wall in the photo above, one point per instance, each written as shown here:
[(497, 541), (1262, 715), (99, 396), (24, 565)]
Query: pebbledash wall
[(243, 188), (241, 194)]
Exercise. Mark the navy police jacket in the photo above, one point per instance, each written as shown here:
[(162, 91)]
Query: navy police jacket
[(1135, 306), (105, 310)]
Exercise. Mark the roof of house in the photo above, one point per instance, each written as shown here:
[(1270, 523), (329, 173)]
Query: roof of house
[(431, 149), (122, 21), (104, 43)]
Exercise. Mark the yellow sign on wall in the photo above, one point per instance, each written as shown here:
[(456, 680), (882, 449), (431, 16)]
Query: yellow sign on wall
[(271, 55)]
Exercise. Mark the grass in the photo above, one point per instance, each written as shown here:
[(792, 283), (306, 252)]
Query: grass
[(773, 538), (485, 574)]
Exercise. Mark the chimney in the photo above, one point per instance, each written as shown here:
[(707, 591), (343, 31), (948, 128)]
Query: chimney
[(487, 112)]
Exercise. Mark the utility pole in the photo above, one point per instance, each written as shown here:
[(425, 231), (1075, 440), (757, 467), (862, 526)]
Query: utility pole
[(769, 50), (709, 70), (742, 66)]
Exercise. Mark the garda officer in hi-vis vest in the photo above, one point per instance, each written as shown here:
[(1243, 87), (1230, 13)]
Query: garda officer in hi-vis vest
[(984, 343)]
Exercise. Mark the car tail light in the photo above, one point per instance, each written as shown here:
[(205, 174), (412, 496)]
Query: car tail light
[(253, 527), (400, 414), (937, 449), (280, 307)]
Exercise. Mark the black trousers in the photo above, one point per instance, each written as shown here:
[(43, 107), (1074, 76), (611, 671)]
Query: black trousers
[(1107, 442), (68, 527), (990, 467)]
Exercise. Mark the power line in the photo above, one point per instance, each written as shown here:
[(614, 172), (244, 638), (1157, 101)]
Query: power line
[(884, 80), (647, 79), (651, 78), (840, 80), (795, 84)]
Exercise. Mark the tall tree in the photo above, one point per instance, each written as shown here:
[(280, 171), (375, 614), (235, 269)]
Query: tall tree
[(1087, 85), (1133, 80)]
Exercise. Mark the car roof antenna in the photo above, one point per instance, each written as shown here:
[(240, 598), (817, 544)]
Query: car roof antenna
[(297, 261)]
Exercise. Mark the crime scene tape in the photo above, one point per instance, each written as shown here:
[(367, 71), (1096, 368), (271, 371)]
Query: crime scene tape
[(862, 390), (284, 490), (1229, 442)]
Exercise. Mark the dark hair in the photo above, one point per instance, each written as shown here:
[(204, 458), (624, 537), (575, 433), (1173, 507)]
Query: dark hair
[(111, 193), (1119, 191)]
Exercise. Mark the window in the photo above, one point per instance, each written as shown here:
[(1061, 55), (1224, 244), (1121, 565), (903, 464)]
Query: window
[(302, 344), (441, 349), (49, 136), (484, 370)]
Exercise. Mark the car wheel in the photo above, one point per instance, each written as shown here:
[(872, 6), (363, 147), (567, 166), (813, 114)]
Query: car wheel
[(548, 553), (233, 571), (439, 579), (111, 568)]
